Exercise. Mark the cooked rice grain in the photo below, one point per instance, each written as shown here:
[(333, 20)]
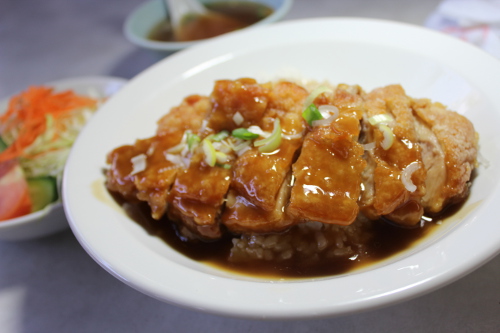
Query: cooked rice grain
[(312, 240)]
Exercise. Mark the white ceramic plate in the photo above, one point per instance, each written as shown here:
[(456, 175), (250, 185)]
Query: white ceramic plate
[(51, 219), (370, 53)]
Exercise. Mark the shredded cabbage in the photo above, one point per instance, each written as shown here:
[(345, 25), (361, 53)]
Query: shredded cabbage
[(47, 155)]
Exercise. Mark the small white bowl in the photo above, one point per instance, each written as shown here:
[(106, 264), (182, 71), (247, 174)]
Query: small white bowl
[(142, 20), (51, 219)]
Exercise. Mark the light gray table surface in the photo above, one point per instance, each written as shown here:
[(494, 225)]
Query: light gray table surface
[(52, 285)]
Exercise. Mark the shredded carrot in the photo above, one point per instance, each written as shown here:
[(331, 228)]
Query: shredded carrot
[(28, 112)]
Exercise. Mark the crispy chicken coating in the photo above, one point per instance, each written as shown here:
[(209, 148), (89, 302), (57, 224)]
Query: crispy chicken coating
[(327, 174), (259, 189), (455, 144), (381, 154), (153, 183), (389, 196)]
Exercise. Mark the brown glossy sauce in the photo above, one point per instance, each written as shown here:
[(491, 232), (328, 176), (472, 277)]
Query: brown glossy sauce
[(388, 239), (238, 15)]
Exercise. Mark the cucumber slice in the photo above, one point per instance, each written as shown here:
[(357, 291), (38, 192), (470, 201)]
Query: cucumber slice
[(43, 191), (3, 145)]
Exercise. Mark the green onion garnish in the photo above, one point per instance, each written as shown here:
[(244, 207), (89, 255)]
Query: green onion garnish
[(244, 134), (315, 93), (209, 151), (192, 140), (271, 143), (219, 136), (383, 118), (388, 136), (221, 157), (311, 113)]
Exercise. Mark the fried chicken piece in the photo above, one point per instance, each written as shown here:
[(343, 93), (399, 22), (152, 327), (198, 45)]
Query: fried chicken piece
[(119, 177), (199, 191), (244, 96), (260, 185), (242, 216), (197, 195), (153, 183), (189, 115), (450, 154), (385, 192), (327, 174)]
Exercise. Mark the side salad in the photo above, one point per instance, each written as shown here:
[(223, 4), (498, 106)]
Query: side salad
[(37, 131)]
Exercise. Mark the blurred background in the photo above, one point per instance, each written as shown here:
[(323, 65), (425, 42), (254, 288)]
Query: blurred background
[(42, 41), (52, 285)]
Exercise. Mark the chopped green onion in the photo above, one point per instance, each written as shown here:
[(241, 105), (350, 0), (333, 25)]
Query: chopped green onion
[(225, 166), (381, 121), (192, 140), (257, 130), (244, 134), (177, 149), (388, 136), (315, 93), (242, 147), (209, 151), (272, 142), (384, 118), (219, 136), (174, 158), (139, 163), (221, 157), (311, 113), (406, 176), (224, 146), (238, 118)]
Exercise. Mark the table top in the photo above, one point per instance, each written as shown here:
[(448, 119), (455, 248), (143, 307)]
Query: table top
[(52, 285)]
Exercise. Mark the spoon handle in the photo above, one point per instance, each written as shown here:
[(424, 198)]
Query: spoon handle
[(179, 8)]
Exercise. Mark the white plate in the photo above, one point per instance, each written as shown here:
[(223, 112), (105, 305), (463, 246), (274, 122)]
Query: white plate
[(51, 219), (370, 53)]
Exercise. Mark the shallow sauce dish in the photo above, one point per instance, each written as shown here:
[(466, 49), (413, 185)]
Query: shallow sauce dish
[(146, 17), (370, 53), (51, 219)]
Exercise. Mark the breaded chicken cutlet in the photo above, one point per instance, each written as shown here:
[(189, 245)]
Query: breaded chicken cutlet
[(260, 158)]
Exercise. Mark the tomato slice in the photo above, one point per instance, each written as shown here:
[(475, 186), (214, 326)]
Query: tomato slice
[(14, 194)]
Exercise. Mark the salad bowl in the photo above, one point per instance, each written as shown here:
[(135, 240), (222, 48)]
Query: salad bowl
[(51, 218)]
